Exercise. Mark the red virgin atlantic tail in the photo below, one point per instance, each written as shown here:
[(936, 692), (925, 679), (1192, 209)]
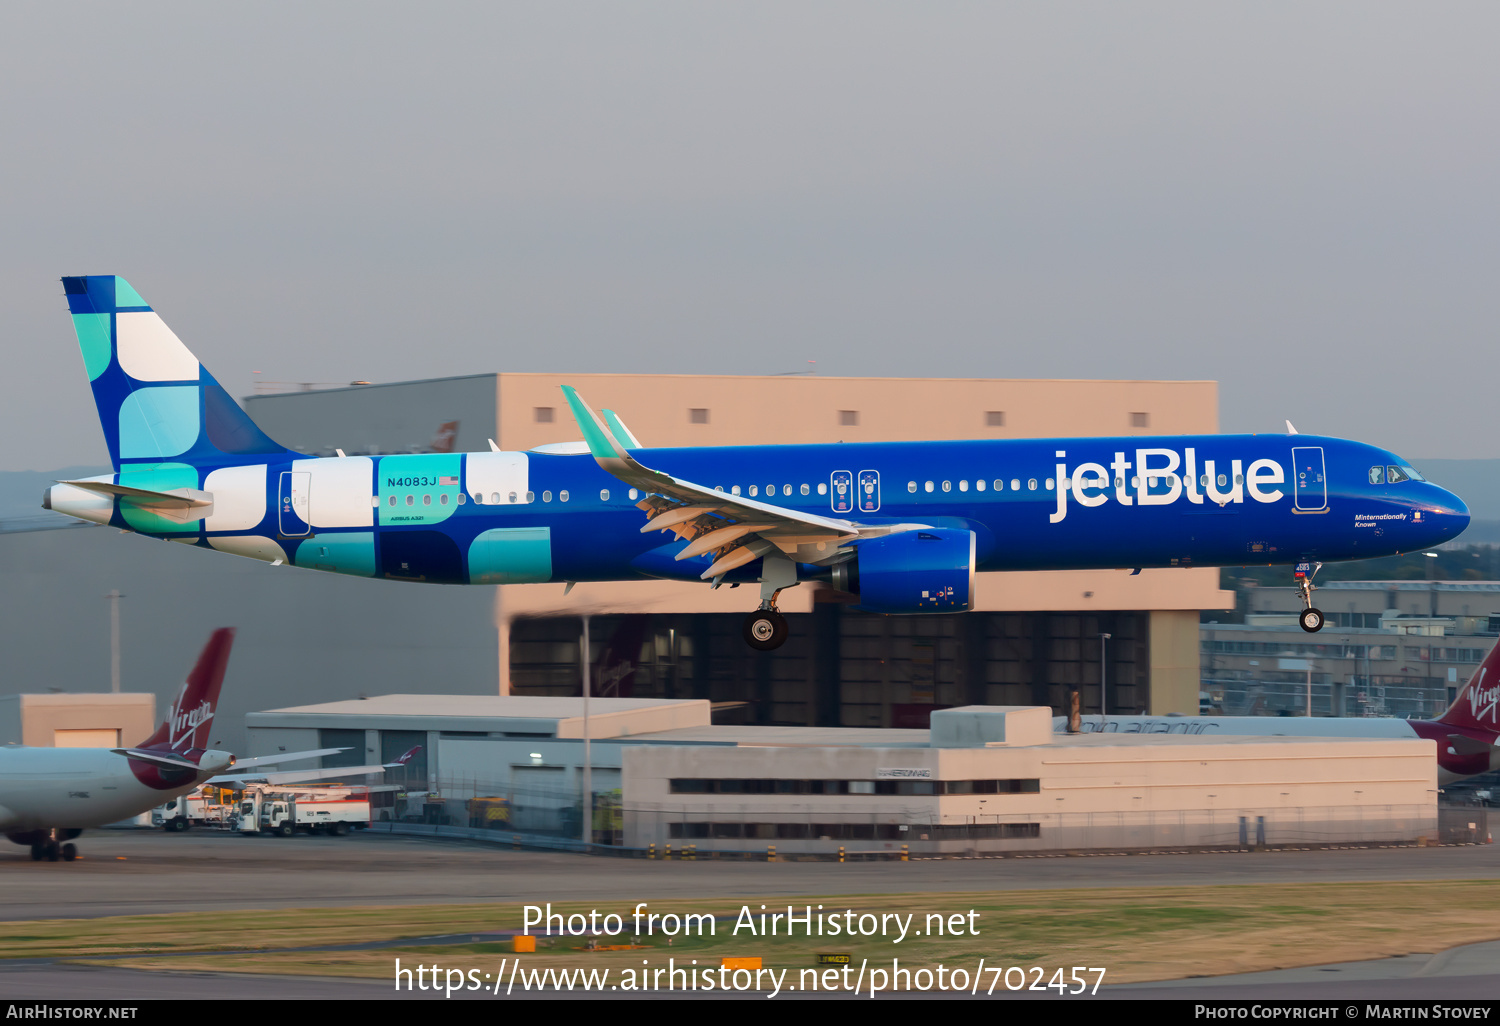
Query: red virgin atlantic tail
[(191, 714), (1477, 706)]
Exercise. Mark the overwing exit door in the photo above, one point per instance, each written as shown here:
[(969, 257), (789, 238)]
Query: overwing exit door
[(1309, 480), (291, 503)]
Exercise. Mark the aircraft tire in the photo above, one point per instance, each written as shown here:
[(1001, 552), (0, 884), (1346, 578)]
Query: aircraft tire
[(1311, 620), (766, 630), (38, 852), (54, 851), (69, 852)]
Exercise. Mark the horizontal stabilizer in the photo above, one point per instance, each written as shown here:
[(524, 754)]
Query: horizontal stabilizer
[(179, 504), (1462, 744), (170, 762)]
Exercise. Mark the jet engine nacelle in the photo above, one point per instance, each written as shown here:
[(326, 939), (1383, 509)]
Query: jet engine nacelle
[(928, 570)]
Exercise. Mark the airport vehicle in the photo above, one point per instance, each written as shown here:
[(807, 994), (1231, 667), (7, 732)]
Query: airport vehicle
[(284, 815), (190, 810), (256, 796), (903, 526), (48, 796), (1467, 735)]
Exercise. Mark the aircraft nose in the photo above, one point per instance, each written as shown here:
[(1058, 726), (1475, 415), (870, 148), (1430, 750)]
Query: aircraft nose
[(1449, 513)]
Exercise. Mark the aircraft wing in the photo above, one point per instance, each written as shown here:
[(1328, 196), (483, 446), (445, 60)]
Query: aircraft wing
[(296, 776), (272, 760), (735, 528)]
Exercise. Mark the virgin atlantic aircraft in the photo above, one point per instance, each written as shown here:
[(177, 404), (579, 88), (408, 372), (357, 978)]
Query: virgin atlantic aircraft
[(904, 526), (1467, 735)]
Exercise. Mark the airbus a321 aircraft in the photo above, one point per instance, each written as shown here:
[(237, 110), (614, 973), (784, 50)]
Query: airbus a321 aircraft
[(1467, 735), (903, 526), (49, 795)]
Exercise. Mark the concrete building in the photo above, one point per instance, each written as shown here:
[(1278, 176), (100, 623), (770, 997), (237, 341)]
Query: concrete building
[(980, 778), (1391, 648), (76, 721)]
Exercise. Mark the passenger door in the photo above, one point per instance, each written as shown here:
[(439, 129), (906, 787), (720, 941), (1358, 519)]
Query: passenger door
[(291, 504)]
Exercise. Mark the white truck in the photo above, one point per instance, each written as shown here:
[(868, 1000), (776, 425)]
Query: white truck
[(285, 814), (189, 810)]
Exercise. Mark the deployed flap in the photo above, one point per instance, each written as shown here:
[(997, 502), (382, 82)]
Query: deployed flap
[(692, 510)]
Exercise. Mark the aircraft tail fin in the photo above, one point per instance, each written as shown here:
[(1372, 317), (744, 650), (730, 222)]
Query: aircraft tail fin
[(1478, 701), (190, 716), (157, 403)]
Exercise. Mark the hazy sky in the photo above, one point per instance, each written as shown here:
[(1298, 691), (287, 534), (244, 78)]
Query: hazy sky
[(1298, 200)]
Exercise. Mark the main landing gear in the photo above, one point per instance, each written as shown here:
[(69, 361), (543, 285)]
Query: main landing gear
[(765, 629), (52, 850), (1311, 619)]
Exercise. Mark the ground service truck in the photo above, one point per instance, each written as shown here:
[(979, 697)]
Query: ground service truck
[(313, 814)]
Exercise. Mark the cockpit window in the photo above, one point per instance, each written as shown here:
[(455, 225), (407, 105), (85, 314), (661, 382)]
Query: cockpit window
[(1377, 475), (1395, 475), (1411, 473)]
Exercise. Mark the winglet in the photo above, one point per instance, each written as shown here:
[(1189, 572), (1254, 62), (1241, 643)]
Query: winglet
[(622, 434), (594, 431)]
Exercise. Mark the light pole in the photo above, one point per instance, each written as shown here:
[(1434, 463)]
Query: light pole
[(1103, 681), (114, 640), (588, 764)]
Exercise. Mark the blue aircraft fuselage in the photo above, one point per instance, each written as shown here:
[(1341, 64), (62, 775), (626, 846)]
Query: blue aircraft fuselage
[(1079, 503), (905, 526)]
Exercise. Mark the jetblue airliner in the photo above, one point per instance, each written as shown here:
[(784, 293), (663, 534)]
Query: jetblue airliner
[(904, 526)]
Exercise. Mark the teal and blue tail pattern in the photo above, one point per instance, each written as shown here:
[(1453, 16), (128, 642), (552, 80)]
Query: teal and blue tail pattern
[(156, 401)]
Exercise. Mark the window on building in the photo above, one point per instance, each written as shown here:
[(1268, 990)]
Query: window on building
[(994, 418), (848, 418), (545, 414), (1140, 420), (697, 416)]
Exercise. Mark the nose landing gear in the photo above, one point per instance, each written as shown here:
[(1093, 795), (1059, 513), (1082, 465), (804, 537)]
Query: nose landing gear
[(1311, 618)]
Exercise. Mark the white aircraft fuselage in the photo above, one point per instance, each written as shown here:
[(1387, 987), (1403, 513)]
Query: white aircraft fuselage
[(75, 788)]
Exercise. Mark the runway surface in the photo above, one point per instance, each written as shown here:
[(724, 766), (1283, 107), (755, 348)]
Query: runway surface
[(131, 872)]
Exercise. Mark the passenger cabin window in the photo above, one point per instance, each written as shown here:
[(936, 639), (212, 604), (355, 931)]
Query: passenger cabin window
[(604, 494), (754, 491), (806, 489), (1031, 484), (546, 496), (1015, 484), (562, 496), (911, 486)]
